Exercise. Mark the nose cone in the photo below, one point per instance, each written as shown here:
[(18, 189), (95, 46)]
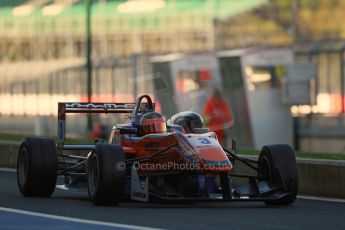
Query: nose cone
[(205, 150), (211, 152), (215, 159)]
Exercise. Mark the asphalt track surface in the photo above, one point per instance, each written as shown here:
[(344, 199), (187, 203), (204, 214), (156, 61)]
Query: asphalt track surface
[(303, 214)]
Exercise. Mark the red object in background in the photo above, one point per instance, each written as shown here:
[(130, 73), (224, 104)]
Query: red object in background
[(98, 132), (205, 75), (180, 85), (336, 103), (218, 114)]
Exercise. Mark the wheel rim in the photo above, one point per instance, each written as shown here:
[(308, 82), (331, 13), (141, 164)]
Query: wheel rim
[(93, 174), (23, 167)]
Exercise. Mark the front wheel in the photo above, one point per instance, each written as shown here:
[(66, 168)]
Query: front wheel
[(106, 174), (277, 165)]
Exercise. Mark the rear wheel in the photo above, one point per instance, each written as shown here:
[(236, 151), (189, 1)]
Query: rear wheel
[(277, 165), (37, 167), (106, 174)]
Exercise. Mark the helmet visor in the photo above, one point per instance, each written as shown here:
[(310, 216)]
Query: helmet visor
[(157, 125), (196, 124)]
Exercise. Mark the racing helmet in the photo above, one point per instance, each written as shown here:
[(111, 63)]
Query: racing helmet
[(188, 120), (152, 122)]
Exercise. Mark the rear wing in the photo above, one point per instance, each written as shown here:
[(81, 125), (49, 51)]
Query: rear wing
[(79, 107)]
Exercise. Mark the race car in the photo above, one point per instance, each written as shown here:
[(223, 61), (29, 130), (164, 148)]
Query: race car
[(151, 159)]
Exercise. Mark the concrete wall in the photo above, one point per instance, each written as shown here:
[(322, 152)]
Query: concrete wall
[(322, 177)]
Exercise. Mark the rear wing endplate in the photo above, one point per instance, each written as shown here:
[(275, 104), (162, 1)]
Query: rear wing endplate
[(79, 107)]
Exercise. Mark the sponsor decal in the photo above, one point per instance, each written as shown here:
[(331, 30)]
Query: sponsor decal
[(139, 189), (188, 153), (186, 149), (218, 163), (99, 106), (204, 142)]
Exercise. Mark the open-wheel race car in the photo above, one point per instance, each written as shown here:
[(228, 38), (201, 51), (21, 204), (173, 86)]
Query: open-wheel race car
[(149, 159)]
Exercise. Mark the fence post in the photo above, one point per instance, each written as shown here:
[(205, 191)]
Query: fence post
[(88, 59)]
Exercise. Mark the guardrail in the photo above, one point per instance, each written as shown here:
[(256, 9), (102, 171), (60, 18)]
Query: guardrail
[(316, 177)]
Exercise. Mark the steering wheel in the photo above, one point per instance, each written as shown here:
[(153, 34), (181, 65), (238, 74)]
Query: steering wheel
[(142, 107)]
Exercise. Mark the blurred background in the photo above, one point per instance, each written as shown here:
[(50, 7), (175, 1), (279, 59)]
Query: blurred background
[(279, 64)]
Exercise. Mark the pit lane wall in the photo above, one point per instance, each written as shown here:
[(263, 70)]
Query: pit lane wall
[(316, 177)]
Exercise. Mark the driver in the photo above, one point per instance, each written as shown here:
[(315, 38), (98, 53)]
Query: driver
[(152, 122), (188, 120)]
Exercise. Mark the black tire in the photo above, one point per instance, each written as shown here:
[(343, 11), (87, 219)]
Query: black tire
[(282, 157), (106, 174), (37, 167)]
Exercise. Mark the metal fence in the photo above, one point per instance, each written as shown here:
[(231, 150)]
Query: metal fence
[(330, 84), (113, 80)]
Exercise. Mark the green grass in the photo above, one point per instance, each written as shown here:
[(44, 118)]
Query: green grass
[(300, 154), (11, 137)]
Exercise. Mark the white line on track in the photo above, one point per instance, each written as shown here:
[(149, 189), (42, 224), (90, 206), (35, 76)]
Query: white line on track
[(76, 220), (8, 169), (321, 198)]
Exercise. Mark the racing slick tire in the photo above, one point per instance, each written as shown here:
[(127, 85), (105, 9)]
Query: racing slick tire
[(37, 167), (106, 173), (277, 165)]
